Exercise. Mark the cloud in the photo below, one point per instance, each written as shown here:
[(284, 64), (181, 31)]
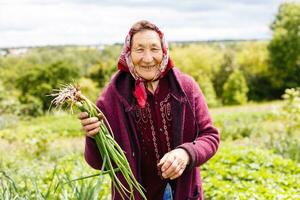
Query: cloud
[(34, 22)]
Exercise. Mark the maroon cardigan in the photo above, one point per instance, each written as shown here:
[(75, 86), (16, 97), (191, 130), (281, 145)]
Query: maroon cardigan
[(117, 103)]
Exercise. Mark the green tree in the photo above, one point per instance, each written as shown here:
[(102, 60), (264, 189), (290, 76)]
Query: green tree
[(89, 88), (252, 59), (101, 72), (39, 80), (235, 89), (284, 47), (9, 104), (228, 65), (208, 90), (195, 59)]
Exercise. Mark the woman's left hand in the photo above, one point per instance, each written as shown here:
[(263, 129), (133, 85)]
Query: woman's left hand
[(174, 163)]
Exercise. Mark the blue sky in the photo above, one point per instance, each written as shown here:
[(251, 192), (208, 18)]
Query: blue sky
[(58, 22)]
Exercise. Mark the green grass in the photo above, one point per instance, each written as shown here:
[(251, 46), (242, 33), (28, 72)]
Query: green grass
[(51, 126), (245, 172), (257, 158), (40, 178)]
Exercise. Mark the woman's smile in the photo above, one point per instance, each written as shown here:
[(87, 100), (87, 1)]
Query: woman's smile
[(147, 72), (146, 54), (148, 68)]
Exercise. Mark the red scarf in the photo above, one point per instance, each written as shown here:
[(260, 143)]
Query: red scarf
[(125, 64)]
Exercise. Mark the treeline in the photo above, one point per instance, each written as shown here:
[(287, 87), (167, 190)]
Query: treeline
[(228, 73), (26, 80)]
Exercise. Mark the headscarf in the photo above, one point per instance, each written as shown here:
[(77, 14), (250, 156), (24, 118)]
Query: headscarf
[(125, 64)]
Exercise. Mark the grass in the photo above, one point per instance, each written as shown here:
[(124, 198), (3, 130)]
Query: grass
[(251, 107), (249, 164), (44, 179), (52, 126), (246, 172)]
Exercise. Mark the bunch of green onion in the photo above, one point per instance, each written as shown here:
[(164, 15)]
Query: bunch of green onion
[(111, 153)]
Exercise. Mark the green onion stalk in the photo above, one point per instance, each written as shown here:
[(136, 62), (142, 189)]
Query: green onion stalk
[(111, 153)]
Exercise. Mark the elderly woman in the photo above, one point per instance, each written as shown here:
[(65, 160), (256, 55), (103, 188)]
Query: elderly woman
[(159, 118)]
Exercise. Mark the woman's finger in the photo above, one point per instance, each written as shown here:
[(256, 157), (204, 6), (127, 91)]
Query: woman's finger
[(169, 167), (175, 171), (83, 115), (163, 160), (92, 126), (179, 173), (89, 120), (93, 132), (168, 162)]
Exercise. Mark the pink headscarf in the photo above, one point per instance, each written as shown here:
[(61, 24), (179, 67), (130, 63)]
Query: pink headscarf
[(125, 64)]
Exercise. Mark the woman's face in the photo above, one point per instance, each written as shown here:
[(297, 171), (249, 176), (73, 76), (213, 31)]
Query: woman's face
[(146, 54)]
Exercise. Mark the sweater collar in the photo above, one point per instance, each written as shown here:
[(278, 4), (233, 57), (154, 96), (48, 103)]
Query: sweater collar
[(123, 84)]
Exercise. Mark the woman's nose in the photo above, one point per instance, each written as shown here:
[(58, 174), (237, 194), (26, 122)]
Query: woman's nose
[(148, 57)]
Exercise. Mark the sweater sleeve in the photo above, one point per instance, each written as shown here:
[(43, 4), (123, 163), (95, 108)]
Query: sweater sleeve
[(207, 142)]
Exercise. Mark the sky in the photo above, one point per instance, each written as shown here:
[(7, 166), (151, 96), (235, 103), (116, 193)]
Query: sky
[(91, 22)]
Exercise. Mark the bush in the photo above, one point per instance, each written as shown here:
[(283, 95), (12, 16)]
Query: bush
[(101, 72), (197, 60), (31, 105), (227, 66), (287, 142), (238, 125), (284, 145), (208, 91), (235, 89), (89, 88), (291, 109), (9, 103), (238, 172), (252, 57), (39, 80)]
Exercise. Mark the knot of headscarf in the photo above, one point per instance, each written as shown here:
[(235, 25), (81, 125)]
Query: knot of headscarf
[(125, 64)]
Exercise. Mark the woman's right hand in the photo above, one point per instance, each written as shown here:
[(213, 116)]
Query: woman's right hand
[(90, 125)]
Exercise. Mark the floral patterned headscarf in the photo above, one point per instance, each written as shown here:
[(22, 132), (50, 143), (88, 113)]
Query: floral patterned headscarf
[(125, 64)]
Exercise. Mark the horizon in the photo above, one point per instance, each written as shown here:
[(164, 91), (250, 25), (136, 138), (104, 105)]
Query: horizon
[(120, 43)]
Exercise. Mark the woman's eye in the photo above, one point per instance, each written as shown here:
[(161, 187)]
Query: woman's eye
[(139, 50), (155, 49)]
